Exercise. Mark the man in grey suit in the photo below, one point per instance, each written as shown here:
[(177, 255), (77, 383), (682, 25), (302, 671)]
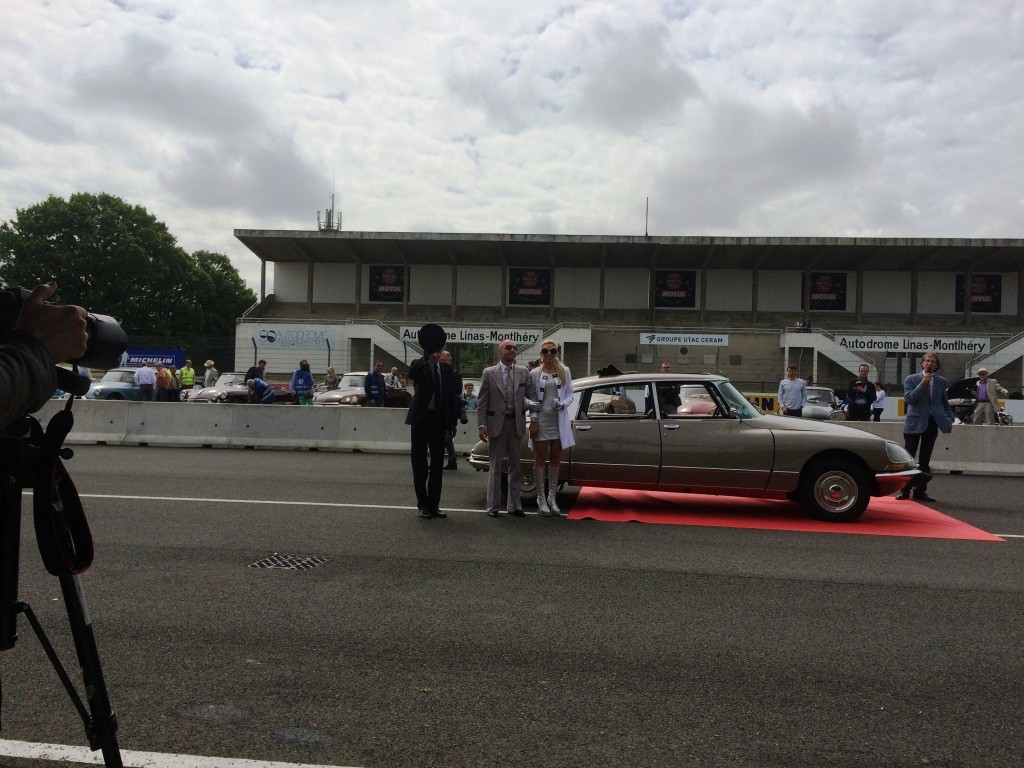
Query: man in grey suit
[(501, 417), (928, 413)]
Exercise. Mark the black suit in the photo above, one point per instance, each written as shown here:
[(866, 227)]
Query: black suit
[(430, 427)]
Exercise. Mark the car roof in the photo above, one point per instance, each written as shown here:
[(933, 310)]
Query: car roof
[(643, 378)]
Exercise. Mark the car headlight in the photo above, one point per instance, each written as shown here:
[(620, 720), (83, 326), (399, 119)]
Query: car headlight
[(899, 458), (350, 400), (221, 397)]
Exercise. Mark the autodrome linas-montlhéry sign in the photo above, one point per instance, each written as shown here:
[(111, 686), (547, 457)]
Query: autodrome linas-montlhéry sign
[(477, 335), (951, 344)]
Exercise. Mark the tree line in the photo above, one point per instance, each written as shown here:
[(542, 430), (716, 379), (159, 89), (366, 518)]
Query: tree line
[(117, 259)]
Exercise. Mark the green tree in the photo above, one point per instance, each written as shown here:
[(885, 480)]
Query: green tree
[(116, 258)]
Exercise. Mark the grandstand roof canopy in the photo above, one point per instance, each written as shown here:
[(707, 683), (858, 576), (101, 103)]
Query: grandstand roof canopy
[(769, 253)]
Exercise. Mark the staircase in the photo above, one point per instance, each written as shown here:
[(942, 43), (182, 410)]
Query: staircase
[(1006, 353), (825, 344)]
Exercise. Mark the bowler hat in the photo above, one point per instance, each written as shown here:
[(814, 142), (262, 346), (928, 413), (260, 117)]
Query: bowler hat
[(432, 338)]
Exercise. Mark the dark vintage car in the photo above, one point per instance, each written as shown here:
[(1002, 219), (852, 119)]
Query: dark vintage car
[(962, 399), (625, 440), (231, 388), (351, 392)]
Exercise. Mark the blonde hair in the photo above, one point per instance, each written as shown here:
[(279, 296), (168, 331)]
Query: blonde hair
[(559, 368)]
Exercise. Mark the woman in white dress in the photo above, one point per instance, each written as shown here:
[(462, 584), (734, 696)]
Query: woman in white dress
[(551, 428)]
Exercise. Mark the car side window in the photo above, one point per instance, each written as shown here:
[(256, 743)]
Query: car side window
[(687, 401), (629, 401)]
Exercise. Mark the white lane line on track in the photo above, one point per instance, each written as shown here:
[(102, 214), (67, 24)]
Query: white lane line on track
[(263, 502), (132, 759)]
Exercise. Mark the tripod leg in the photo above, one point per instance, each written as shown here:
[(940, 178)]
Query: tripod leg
[(102, 727)]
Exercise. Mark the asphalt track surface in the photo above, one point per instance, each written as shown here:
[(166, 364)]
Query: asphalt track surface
[(475, 641)]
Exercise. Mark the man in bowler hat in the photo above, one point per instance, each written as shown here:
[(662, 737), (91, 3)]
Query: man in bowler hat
[(432, 416)]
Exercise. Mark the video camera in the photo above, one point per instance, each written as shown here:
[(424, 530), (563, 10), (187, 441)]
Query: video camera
[(30, 457), (106, 339)]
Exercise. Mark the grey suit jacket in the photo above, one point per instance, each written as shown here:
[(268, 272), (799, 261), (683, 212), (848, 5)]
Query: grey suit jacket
[(490, 403)]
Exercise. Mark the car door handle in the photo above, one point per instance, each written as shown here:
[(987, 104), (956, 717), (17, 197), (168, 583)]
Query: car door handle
[(670, 426), (582, 427)]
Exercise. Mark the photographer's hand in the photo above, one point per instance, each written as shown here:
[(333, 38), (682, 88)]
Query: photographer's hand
[(61, 329)]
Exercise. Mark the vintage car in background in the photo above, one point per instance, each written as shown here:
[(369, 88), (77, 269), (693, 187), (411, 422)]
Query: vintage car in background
[(625, 440), (351, 391), (231, 388), (962, 399), (823, 404), (116, 384)]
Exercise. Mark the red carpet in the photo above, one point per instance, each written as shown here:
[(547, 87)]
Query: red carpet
[(884, 516)]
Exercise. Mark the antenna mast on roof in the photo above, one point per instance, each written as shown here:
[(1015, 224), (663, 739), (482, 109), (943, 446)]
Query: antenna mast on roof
[(329, 223)]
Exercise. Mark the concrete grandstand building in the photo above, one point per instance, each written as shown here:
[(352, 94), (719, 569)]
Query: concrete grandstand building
[(739, 306)]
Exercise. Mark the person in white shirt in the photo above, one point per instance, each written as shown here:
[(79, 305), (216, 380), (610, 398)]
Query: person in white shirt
[(879, 405), (145, 379)]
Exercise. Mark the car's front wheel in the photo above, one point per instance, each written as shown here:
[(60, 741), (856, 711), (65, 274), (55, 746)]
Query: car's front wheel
[(835, 490), (527, 487)]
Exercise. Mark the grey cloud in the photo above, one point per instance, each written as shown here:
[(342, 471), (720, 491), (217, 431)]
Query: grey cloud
[(636, 82), (147, 83), (268, 179), (747, 160)]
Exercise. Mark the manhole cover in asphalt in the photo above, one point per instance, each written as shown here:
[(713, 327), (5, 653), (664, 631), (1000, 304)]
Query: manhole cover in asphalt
[(289, 562)]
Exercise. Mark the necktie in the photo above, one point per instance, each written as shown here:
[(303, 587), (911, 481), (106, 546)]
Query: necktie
[(508, 389), (437, 385)]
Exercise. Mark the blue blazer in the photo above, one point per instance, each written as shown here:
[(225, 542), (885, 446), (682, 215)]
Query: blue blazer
[(920, 406)]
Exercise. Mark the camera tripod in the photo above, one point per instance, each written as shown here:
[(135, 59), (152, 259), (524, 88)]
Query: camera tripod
[(32, 459)]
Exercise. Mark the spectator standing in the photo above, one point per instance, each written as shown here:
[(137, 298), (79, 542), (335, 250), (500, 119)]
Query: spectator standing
[(879, 405), (551, 428), (469, 396), (861, 396), (501, 418), (374, 387), (173, 387), (986, 393), (163, 383), (432, 415), (393, 380), (668, 394), (928, 413), (211, 375), (187, 375), (145, 378), (449, 441), (792, 393), (302, 384), (332, 380)]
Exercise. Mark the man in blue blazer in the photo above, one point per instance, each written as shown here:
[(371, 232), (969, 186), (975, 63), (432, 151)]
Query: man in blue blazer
[(928, 413)]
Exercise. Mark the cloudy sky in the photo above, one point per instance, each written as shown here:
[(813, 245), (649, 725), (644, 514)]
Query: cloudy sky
[(875, 118)]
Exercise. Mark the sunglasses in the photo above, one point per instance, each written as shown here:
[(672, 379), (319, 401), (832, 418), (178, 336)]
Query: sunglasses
[(548, 351)]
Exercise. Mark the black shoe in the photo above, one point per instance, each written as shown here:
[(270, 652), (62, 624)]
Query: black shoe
[(922, 496), (425, 513), (492, 512), (453, 465), (517, 513), (438, 513), (902, 496)]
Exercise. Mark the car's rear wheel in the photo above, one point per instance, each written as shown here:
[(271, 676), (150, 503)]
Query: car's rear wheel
[(835, 490)]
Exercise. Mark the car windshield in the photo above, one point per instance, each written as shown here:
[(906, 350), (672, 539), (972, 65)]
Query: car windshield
[(121, 377), (231, 380), (353, 381), (737, 402), (819, 396)]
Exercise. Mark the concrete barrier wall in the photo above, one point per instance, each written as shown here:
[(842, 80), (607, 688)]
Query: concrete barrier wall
[(969, 449)]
